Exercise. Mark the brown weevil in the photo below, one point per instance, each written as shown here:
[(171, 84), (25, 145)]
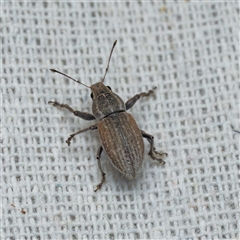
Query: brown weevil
[(121, 138)]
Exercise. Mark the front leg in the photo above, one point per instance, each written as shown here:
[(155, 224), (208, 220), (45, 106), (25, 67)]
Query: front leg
[(153, 154), (135, 98), (83, 115)]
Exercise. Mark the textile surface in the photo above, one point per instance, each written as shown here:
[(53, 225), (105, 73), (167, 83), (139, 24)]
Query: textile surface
[(189, 51)]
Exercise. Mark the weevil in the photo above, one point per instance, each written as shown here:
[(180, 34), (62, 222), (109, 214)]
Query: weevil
[(121, 138)]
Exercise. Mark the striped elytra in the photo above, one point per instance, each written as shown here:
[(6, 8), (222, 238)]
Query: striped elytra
[(122, 141)]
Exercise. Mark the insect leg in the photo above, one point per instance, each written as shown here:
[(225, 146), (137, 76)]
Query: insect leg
[(153, 154), (100, 167), (68, 141), (135, 98), (83, 115)]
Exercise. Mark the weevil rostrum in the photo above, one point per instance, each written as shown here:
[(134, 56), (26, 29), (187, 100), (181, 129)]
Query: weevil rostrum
[(121, 138)]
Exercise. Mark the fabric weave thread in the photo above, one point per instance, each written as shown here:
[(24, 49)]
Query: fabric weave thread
[(189, 51)]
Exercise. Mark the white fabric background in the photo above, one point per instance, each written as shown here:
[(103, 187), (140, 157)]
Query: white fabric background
[(189, 50)]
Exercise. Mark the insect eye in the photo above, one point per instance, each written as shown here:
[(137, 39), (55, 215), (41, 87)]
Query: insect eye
[(91, 95), (109, 87)]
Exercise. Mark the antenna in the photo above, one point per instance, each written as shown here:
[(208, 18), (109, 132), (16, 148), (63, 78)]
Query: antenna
[(114, 44), (65, 75)]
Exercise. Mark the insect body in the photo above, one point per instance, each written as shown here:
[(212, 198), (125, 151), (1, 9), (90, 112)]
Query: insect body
[(121, 138)]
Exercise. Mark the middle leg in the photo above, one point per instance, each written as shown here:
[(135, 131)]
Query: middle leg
[(93, 127)]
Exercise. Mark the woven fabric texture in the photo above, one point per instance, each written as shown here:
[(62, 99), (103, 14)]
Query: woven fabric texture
[(189, 51)]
